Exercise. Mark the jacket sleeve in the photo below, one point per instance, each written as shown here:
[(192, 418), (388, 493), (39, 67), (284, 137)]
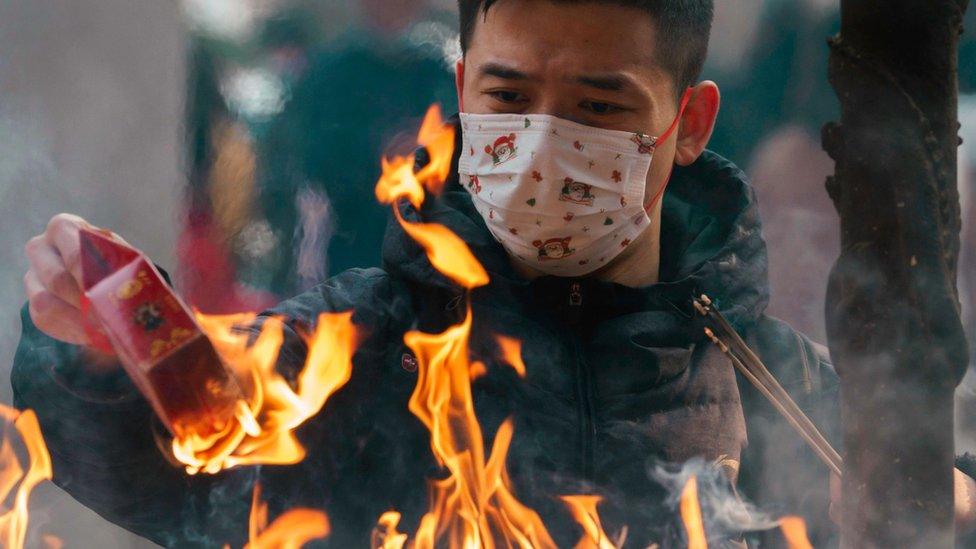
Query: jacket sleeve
[(779, 471), (99, 430)]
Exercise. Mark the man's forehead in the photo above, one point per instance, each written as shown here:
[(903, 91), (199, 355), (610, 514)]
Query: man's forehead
[(597, 41)]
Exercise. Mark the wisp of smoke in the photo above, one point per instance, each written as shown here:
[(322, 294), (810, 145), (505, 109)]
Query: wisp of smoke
[(725, 514)]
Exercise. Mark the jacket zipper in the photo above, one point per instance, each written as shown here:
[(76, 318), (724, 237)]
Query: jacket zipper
[(583, 384)]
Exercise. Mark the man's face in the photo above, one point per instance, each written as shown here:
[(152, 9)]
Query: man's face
[(592, 63)]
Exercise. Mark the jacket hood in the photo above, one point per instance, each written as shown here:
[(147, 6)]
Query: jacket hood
[(711, 242)]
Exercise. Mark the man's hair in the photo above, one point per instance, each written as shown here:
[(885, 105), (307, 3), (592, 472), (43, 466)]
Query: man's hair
[(683, 27)]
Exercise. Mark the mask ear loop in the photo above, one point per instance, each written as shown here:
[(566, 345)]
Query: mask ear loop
[(685, 99)]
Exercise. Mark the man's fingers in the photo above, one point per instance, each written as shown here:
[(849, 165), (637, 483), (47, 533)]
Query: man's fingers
[(52, 315), (50, 269), (62, 235)]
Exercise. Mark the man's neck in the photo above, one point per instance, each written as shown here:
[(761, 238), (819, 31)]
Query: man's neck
[(636, 267), (640, 264)]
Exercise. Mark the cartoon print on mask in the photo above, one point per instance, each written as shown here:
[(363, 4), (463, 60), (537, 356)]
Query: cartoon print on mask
[(474, 184), (576, 192), (503, 150), (554, 248), (645, 143)]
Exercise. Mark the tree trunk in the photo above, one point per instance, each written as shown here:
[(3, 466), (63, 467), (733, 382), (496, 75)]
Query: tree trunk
[(892, 306)]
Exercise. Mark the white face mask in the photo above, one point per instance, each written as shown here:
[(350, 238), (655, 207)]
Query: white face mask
[(561, 197)]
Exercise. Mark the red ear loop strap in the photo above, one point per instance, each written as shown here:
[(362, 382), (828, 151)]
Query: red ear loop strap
[(664, 136)]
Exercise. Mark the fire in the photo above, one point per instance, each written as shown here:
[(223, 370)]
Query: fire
[(794, 528), (512, 353), (13, 522), (386, 535), (474, 505), (262, 432), (583, 509), (795, 532), (691, 515), (291, 530)]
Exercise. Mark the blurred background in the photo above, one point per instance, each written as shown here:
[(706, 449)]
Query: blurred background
[(237, 143)]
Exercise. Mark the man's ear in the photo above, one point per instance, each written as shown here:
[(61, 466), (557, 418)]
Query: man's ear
[(697, 122), (459, 83)]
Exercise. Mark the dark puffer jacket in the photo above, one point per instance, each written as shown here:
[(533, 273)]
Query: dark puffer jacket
[(618, 380)]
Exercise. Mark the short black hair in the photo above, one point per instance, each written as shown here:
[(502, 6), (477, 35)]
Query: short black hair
[(682, 38)]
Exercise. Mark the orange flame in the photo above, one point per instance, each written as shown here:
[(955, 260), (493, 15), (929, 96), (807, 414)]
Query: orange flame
[(583, 509), (512, 353), (473, 506), (691, 515), (291, 530), (446, 251), (13, 522), (262, 432), (795, 532), (386, 535)]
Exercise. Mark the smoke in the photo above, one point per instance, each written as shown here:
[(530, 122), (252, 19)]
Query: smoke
[(313, 233), (439, 39), (30, 182), (90, 107), (725, 514)]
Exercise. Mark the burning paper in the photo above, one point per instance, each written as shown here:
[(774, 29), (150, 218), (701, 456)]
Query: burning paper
[(209, 379), (262, 428), (134, 314)]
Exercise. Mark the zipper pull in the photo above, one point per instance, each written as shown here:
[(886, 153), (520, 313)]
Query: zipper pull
[(575, 295)]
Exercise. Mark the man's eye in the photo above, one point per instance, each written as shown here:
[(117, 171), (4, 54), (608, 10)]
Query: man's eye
[(597, 107), (506, 96)]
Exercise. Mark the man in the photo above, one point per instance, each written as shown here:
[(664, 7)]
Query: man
[(619, 376)]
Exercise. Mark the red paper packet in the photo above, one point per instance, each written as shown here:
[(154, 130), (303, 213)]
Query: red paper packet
[(132, 312)]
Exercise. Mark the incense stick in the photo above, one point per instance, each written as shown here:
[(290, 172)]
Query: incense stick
[(752, 368)]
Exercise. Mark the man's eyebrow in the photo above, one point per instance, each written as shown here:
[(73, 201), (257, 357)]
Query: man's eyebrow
[(502, 71), (607, 82)]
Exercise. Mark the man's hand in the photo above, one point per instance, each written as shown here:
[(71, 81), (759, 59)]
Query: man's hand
[(53, 282), (965, 491)]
